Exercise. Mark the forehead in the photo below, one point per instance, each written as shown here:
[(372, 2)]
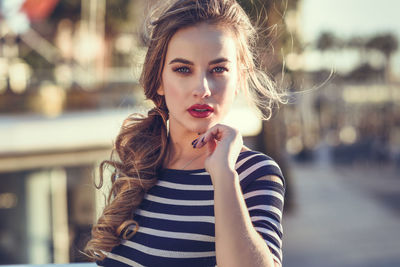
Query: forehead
[(202, 42)]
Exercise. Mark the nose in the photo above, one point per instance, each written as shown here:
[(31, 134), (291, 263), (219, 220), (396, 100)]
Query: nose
[(202, 89)]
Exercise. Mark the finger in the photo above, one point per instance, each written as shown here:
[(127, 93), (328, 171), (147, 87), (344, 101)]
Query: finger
[(214, 133), (211, 145), (200, 142), (217, 132), (208, 137)]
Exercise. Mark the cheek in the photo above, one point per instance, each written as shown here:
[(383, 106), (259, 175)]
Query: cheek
[(168, 84), (229, 91), (227, 97), (173, 90)]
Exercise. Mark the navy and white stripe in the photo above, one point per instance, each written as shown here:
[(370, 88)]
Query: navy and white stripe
[(176, 216)]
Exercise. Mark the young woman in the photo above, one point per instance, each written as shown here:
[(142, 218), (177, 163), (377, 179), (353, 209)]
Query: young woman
[(187, 192)]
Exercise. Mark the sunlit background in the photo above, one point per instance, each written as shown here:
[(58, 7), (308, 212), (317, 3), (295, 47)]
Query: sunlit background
[(69, 74)]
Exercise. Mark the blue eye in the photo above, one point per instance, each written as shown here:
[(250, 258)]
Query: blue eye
[(182, 69), (218, 69)]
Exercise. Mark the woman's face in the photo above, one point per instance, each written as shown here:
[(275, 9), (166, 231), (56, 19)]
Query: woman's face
[(200, 77)]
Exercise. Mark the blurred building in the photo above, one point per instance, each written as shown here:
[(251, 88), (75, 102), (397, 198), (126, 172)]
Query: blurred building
[(353, 108), (65, 87)]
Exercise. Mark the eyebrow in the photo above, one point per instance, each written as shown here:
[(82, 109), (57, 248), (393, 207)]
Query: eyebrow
[(212, 62)]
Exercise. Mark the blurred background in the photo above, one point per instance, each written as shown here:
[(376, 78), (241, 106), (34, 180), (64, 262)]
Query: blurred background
[(69, 77)]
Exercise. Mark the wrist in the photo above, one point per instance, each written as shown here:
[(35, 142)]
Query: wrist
[(223, 177)]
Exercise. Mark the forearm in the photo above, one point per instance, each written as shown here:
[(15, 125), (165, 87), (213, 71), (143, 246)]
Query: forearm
[(237, 242)]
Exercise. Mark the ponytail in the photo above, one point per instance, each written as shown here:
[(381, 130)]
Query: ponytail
[(141, 147)]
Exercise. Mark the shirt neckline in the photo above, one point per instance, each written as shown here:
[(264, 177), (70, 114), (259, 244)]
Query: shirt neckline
[(169, 170)]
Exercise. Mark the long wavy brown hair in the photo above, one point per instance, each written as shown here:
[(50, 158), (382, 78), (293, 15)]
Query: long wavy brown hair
[(141, 146)]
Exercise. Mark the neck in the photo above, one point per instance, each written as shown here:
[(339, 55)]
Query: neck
[(181, 151)]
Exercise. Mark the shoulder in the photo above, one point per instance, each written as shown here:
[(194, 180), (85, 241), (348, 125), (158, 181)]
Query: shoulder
[(252, 165)]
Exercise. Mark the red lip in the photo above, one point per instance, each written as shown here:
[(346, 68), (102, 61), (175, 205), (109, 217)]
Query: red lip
[(200, 111)]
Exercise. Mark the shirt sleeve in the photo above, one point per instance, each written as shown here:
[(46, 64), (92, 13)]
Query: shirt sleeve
[(264, 198)]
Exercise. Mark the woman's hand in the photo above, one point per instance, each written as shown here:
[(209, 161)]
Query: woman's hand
[(223, 144)]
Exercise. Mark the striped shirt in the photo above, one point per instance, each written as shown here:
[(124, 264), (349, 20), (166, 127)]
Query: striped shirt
[(176, 216)]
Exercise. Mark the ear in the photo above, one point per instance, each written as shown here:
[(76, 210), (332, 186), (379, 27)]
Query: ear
[(160, 90)]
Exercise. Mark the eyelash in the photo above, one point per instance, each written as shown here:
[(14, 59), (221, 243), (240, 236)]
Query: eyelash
[(222, 68), (178, 69), (187, 70)]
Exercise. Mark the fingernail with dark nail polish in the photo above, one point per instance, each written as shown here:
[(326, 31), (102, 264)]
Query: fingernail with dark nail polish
[(202, 139), (194, 141)]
